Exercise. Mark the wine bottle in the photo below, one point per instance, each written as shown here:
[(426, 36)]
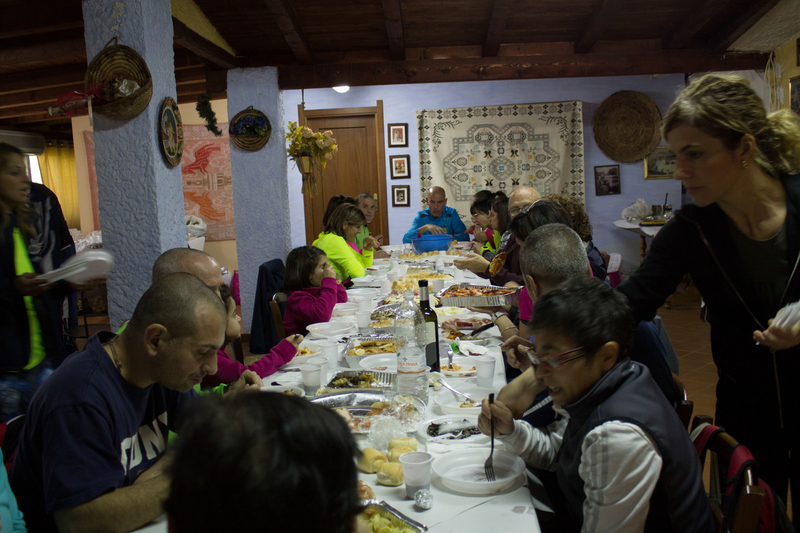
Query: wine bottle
[(431, 327)]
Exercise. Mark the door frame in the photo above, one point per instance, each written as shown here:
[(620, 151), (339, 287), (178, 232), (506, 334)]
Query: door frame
[(380, 172)]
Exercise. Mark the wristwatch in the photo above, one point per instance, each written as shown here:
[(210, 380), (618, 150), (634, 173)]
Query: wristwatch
[(498, 314)]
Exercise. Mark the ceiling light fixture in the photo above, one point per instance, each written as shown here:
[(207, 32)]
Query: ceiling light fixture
[(341, 89)]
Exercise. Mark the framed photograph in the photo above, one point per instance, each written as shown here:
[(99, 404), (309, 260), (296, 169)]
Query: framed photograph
[(659, 165), (401, 195), (606, 180), (398, 135), (399, 166), (794, 94)]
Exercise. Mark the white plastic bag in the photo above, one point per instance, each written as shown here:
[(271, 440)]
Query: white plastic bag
[(638, 209), (195, 226)]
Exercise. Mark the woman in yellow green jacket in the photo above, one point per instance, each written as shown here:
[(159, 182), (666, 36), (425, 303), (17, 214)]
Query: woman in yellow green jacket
[(343, 226)]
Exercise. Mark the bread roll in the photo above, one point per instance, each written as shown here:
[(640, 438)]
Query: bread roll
[(409, 442), (370, 460), (365, 492), (395, 453), (390, 474)]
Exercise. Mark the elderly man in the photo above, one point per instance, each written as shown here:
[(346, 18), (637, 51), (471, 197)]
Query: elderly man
[(437, 219), (366, 202), (624, 462), (92, 452), (509, 273)]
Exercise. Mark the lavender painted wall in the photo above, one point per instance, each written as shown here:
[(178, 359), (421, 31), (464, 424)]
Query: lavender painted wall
[(260, 192), (141, 198), (400, 102)]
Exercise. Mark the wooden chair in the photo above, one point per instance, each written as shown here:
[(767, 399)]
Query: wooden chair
[(747, 508), (277, 316), (683, 406)]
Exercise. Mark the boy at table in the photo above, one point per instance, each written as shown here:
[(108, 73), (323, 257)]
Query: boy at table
[(623, 460)]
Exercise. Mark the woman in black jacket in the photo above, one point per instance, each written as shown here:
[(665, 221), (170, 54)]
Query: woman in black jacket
[(740, 242)]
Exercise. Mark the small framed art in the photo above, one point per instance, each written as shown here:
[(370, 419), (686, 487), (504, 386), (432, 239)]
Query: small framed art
[(606, 180), (398, 135), (659, 165), (401, 195), (399, 166)]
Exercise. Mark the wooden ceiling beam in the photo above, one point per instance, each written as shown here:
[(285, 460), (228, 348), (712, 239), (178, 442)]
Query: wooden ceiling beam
[(192, 98), (24, 19), (191, 40), (41, 96), (25, 111), (190, 75), (744, 21), (511, 68), (42, 79), (283, 14), (42, 52), (693, 22), (498, 18), (603, 14), (394, 29)]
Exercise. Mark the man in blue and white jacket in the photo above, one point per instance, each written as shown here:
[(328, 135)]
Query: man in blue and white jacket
[(437, 219)]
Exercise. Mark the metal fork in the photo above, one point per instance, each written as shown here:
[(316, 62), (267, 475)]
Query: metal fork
[(488, 466), (446, 385)]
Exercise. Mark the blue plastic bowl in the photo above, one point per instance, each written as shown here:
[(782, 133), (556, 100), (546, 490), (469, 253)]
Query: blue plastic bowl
[(430, 242)]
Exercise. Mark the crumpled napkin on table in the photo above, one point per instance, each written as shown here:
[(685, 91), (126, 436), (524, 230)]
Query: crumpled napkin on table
[(470, 348)]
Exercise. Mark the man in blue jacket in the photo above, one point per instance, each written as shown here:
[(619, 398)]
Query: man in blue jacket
[(437, 219)]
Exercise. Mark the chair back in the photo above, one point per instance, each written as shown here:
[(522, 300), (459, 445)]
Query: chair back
[(277, 316), (683, 406)]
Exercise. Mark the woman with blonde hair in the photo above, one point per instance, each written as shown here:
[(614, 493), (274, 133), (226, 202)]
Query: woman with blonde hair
[(343, 225), (740, 242)]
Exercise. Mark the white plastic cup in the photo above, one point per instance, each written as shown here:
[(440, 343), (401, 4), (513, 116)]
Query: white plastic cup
[(330, 350), (312, 377), (363, 320), (386, 286), (323, 367), (438, 284), (458, 275), (392, 276), (416, 471), (484, 366), (365, 305), (442, 252)]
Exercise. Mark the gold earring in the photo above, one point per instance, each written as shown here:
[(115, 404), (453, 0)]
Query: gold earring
[(744, 164)]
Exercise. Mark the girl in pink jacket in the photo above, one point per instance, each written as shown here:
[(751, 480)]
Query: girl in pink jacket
[(311, 284)]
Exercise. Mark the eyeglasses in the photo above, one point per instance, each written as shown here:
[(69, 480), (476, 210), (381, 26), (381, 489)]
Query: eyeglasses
[(514, 212), (554, 361)]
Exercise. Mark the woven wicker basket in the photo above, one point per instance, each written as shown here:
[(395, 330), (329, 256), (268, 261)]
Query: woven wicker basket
[(250, 143), (627, 126), (121, 61)]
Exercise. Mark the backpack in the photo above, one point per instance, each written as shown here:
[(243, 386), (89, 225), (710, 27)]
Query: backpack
[(772, 518)]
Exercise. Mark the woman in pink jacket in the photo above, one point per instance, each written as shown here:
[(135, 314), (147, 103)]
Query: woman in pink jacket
[(310, 281)]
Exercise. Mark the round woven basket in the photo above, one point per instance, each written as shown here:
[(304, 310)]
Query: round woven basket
[(249, 143), (627, 126), (124, 62)]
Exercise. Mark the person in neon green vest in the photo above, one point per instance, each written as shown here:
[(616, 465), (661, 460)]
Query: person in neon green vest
[(24, 332)]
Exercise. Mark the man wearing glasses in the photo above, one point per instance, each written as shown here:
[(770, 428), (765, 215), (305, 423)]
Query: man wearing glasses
[(624, 461)]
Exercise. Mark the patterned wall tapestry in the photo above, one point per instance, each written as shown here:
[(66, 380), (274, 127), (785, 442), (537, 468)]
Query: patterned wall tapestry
[(207, 190), (499, 148)]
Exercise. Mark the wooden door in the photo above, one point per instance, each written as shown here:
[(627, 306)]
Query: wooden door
[(357, 167)]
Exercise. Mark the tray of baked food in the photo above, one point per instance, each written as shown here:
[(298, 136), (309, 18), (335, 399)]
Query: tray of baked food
[(380, 516), (468, 295), (360, 408), (361, 345), (360, 380)]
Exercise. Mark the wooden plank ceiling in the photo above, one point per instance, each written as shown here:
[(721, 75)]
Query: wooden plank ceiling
[(316, 43)]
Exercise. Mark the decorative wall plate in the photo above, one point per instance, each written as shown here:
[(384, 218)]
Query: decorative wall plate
[(250, 129), (171, 131), (627, 126)]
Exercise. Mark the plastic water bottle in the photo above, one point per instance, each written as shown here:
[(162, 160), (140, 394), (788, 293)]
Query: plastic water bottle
[(410, 340)]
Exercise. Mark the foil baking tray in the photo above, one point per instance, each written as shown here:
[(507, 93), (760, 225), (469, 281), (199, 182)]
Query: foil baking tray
[(398, 519), (356, 340), (478, 301), (383, 380), (360, 403)]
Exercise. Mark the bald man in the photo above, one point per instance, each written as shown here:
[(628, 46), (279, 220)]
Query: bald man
[(194, 262), (91, 455), (437, 219)]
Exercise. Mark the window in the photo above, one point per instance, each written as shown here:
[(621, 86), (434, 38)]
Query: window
[(33, 169)]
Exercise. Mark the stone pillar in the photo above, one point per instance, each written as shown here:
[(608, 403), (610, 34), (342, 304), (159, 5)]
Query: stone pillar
[(260, 187), (141, 197)]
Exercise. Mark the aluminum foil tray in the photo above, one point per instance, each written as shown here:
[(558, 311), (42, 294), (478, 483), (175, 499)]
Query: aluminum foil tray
[(383, 380), (355, 340), (397, 518), (478, 301)]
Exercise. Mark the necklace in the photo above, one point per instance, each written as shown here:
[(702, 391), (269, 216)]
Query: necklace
[(110, 344)]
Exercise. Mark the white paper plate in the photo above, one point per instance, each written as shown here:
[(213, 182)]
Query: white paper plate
[(462, 361), (283, 388), (422, 430), (347, 309), (462, 470), (382, 362), (91, 264), (362, 293), (450, 403), (331, 329)]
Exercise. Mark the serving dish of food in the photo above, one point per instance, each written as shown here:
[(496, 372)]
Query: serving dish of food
[(466, 324), (382, 517), (360, 346), (356, 379), (468, 295), (359, 409)]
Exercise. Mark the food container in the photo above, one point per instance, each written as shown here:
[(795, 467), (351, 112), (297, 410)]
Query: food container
[(463, 471), (383, 380), (283, 389), (359, 405), (398, 520), (478, 301), (429, 242), (354, 360)]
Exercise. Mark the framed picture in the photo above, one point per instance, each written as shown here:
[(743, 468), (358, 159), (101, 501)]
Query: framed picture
[(659, 165), (399, 166), (398, 135), (606, 180), (401, 195), (794, 94)]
